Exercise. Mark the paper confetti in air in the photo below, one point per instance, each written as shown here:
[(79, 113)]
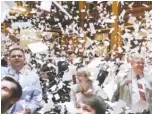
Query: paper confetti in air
[(131, 19), (46, 5), (50, 49), (131, 5), (145, 5), (37, 47), (111, 30), (92, 28)]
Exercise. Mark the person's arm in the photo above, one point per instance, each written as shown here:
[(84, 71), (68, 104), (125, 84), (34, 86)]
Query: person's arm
[(36, 96), (35, 102), (31, 104)]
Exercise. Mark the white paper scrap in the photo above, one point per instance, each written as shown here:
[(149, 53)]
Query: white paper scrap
[(37, 47), (46, 5)]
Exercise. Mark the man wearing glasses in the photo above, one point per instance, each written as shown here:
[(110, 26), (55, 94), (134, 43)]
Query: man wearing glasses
[(29, 81), (134, 89)]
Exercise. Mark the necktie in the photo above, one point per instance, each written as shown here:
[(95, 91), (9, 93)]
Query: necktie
[(17, 75), (140, 87), (141, 93), (74, 79), (138, 77)]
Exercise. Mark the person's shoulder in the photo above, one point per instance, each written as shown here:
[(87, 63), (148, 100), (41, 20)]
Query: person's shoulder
[(32, 73), (123, 75), (4, 70)]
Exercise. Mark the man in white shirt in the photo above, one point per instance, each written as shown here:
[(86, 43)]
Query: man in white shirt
[(133, 87), (29, 80)]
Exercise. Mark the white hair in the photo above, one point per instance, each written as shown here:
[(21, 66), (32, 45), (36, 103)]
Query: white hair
[(86, 72), (137, 57)]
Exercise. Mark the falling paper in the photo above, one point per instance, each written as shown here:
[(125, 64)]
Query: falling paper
[(131, 19), (122, 13), (10, 30), (92, 28), (89, 42), (145, 5), (20, 25), (109, 21), (82, 10), (62, 9), (57, 97), (111, 30), (130, 5), (120, 50), (37, 47), (46, 107), (46, 5)]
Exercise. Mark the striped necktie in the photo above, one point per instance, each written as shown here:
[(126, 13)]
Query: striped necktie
[(141, 90), (17, 75)]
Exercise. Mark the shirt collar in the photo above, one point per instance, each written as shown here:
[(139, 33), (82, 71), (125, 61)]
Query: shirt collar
[(22, 70), (134, 75), (13, 70)]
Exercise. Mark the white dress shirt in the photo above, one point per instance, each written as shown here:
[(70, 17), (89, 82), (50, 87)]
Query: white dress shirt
[(138, 104), (31, 88)]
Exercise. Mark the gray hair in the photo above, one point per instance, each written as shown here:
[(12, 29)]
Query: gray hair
[(85, 71), (137, 57), (95, 102)]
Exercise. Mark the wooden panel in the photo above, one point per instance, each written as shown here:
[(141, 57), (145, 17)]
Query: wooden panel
[(114, 25), (100, 36), (72, 43), (82, 6)]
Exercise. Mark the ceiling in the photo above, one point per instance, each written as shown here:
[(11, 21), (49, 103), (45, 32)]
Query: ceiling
[(91, 12)]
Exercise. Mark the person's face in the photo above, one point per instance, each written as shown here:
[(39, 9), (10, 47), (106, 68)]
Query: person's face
[(138, 66), (85, 109), (17, 59), (6, 92), (82, 78), (44, 75)]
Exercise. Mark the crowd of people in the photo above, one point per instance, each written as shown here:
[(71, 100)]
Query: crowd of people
[(61, 81), (84, 84)]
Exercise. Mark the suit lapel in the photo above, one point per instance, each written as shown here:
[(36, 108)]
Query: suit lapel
[(130, 84)]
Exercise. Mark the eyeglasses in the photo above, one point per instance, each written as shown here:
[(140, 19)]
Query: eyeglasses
[(14, 56)]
